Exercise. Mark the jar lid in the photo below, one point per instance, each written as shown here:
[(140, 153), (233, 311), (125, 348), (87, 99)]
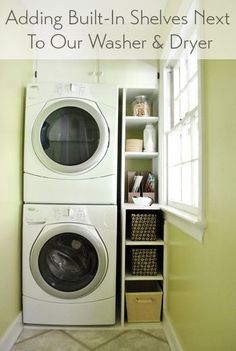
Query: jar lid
[(140, 97)]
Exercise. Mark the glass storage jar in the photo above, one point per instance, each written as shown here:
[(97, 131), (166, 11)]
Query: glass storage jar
[(141, 106)]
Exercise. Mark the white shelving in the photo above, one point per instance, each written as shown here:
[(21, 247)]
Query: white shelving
[(129, 206), (139, 122), (141, 155), (158, 242), (129, 276), (132, 127)]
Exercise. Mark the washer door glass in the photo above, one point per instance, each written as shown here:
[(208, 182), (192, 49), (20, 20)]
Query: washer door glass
[(70, 136), (68, 262)]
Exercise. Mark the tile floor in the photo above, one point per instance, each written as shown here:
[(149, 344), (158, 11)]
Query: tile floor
[(88, 340)]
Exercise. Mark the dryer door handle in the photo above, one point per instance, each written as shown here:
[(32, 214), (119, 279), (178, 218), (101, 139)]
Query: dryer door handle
[(35, 222)]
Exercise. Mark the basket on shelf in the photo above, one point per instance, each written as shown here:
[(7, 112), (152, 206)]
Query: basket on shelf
[(143, 226), (144, 261), (134, 145)]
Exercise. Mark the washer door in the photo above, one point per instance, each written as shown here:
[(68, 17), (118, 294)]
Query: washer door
[(70, 136), (68, 261)]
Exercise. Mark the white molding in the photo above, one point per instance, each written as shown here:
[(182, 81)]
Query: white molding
[(171, 334), (10, 336), (187, 223)]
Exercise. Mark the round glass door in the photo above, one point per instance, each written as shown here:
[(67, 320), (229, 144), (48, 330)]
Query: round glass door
[(68, 264), (70, 136)]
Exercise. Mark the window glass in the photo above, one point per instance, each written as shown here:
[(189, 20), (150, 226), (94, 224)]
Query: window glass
[(186, 141), (193, 93), (195, 137), (174, 184), (183, 73), (186, 195), (174, 147), (182, 133), (176, 111), (183, 103), (176, 82)]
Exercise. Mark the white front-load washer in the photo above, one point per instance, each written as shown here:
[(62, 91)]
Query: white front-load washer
[(70, 143), (69, 264)]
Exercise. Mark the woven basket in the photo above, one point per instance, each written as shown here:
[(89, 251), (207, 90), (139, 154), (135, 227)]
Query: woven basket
[(144, 261), (143, 226)]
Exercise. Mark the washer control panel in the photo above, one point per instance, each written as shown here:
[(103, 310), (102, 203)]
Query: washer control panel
[(78, 214), (52, 214)]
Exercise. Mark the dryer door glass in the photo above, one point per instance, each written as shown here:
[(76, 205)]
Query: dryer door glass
[(70, 136), (68, 262)]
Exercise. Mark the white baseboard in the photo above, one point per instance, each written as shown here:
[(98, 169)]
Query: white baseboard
[(171, 334), (10, 336)]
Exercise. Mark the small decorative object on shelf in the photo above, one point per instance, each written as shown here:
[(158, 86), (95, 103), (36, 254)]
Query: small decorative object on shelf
[(150, 183), (149, 138), (143, 201), (141, 106)]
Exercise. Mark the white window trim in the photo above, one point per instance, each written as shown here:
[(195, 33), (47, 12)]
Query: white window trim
[(184, 221), (188, 223)]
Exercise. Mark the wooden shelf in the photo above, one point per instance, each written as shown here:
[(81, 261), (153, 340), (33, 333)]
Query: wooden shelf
[(139, 122), (141, 155)]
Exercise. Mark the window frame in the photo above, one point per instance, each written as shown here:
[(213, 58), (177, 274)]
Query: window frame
[(174, 125), (191, 223)]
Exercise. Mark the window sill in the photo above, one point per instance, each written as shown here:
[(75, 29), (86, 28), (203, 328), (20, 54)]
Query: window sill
[(188, 223)]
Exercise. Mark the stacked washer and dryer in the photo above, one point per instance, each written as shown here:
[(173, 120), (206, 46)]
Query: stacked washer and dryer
[(70, 204)]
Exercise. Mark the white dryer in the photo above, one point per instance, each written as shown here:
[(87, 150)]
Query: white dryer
[(69, 264), (70, 148)]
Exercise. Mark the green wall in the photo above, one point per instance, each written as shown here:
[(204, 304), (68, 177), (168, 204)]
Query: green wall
[(201, 298), (14, 76)]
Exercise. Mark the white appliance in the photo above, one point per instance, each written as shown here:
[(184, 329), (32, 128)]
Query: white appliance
[(69, 264), (70, 149)]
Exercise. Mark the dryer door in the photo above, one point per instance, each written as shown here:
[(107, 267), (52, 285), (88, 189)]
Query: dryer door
[(70, 136), (68, 260)]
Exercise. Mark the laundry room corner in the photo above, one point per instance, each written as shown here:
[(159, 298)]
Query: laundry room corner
[(15, 74)]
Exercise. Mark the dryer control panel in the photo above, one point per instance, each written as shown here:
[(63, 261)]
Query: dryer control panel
[(42, 91)]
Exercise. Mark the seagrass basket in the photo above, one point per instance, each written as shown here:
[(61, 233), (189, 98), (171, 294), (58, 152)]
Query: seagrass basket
[(144, 261), (143, 226)]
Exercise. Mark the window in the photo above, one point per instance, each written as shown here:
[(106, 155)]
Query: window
[(182, 135), (181, 183)]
